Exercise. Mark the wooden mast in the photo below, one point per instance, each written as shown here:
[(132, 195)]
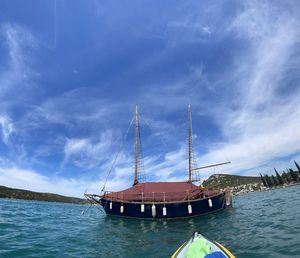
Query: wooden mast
[(191, 169), (189, 144), (136, 146)]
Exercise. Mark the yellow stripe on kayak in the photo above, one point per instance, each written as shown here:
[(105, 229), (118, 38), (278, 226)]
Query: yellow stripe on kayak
[(178, 250), (230, 255)]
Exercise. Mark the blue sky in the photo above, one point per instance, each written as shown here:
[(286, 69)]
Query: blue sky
[(71, 73)]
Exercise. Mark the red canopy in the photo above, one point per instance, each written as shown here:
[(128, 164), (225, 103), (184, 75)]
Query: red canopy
[(157, 191)]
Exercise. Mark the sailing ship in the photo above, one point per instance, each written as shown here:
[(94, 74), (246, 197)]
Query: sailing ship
[(162, 200)]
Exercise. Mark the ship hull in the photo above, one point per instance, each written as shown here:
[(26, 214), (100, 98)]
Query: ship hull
[(173, 210)]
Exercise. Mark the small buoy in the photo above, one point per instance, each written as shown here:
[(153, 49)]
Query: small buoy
[(210, 203), (110, 205), (228, 199), (142, 207), (164, 211), (122, 209), (153, 211), (190, 211)]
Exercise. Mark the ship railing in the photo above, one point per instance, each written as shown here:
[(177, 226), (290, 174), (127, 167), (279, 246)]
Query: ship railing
[(161, 197)]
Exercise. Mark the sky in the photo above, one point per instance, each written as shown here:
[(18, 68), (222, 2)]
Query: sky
[(71, 73)]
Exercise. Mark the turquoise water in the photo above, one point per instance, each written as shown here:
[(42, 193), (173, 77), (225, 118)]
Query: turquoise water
[(263, 224)]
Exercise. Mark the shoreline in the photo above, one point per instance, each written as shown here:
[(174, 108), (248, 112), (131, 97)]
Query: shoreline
[(266, 189), (21, 194)]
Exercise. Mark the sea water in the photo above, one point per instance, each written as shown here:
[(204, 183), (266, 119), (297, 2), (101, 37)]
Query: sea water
[(261, 224)]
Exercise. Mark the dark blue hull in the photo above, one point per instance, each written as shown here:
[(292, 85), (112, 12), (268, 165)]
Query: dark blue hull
[(173, 210)]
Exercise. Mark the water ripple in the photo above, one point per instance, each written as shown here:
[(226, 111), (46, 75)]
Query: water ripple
[(264, 224)]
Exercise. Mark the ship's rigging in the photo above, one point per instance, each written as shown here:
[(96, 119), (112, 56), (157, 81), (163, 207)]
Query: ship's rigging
[(161, 199), (139, 168)]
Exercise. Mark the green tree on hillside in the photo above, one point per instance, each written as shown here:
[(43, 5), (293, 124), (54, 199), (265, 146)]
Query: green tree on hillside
[(279, 178), (269, 181), (294, 175), (275, 182), (289, 175), (285, 177), (263, 181), (298, 167)]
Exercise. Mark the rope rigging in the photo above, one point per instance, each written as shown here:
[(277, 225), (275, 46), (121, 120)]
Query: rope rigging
[(196, 168), (141, 166), (193, 175), (117, 154)]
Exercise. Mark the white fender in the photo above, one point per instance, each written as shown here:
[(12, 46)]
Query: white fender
[(110, 205), (228, 198), (190, 210), (122, 209), (142, 207), (153, 211), (210, 204), (164, 211)]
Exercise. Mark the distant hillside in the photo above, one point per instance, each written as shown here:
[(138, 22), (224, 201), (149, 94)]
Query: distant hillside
[(223, 180), (6, 192)]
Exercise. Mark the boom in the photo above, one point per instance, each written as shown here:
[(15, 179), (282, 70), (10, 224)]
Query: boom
[(214, 165)]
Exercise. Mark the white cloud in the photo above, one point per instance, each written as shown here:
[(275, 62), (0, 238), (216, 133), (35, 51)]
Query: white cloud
[(7, 128), (17, 71), (206, 30), (172, 166), (260, 117), (31, 180), (258, 123), (87, 153), (271, 47), (263, 125)]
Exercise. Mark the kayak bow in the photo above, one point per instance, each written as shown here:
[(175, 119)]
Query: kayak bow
[(199, 246)]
